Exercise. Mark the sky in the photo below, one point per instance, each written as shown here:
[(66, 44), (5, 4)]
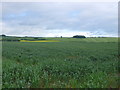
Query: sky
[(55, 19)]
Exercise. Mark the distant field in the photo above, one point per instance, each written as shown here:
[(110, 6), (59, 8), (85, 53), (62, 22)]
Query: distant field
[(69, 63), (40, 41)]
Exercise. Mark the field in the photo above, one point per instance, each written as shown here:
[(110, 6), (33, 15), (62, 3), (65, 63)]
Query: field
[(69, 63)]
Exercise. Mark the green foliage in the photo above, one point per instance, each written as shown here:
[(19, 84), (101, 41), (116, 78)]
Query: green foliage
[(71, 63), (6, 38)]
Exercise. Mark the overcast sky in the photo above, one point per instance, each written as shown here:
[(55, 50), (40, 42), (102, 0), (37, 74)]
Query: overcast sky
[(51, 19)]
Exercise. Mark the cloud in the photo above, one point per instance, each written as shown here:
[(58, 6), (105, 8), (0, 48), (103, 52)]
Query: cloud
[(55, 18)]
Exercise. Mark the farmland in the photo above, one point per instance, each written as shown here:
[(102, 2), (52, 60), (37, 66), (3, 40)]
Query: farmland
[(69, 63)]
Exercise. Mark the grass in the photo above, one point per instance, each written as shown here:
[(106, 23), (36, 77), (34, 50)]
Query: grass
[(70, 63), (0, 65)]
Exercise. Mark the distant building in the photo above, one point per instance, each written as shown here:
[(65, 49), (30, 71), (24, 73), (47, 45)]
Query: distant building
[(79, 36)]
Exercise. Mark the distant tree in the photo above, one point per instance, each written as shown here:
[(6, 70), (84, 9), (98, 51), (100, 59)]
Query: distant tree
[(3, 35), (61, 36), (35, 38), (79, 36)]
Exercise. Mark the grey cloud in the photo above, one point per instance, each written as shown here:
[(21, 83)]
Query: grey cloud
[(90, 17)]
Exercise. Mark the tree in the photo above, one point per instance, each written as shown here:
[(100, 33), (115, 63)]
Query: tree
[(79, 36), (3, 35)]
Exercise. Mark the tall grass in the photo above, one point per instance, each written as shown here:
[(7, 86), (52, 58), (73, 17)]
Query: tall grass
[(71, 63)]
